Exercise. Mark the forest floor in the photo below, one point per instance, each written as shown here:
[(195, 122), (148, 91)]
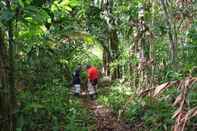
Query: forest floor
[(105, 119)]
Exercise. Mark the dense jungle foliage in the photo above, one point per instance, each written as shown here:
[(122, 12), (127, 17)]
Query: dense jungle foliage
[(145, 51)]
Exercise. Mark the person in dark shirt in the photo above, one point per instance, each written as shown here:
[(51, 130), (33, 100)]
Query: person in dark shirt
[(77, 81)]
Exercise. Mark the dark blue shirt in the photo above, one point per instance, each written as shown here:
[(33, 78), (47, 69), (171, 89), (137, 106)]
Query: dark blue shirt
[(76, 77)]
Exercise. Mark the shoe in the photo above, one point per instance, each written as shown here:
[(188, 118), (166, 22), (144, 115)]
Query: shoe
[(93, 96), (76, 94)]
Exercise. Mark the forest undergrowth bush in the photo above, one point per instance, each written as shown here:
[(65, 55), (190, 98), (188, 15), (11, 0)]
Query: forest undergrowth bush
[(51, 108), (151, 114), (145, 113), (114, 97)]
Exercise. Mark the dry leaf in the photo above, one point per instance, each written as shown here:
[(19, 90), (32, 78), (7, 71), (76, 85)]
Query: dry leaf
[(146, 92), (177, 112), (192, 112), (178, 100), (180, 114), (160, 87)]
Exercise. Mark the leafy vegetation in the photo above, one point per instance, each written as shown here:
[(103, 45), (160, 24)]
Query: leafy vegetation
[(145, 51), (51, 108)]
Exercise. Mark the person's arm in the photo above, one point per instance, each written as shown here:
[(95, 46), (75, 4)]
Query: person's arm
[(98, 74), (88, 74)]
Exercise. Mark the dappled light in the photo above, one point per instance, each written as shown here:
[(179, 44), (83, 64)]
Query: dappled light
[(98, 65)]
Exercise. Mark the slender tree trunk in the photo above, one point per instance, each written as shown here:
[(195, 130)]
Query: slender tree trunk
[(4, 94), (173, 42), (12, 76), (114, 47), (106, 62), (7, 80), (7, 93)]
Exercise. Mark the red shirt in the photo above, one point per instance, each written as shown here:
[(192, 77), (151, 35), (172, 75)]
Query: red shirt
[(92, 73)]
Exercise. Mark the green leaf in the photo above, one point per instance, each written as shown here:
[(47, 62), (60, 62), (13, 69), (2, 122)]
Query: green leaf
[(68, 8), (20, 2), (6, 16), (18, 129), (74, 2), (38, 15), (20, 123)]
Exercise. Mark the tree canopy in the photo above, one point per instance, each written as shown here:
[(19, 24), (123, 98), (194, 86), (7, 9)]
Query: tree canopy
[(145, 51)]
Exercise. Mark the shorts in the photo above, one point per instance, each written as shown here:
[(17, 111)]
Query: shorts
[(77, 88), (91, 88), (94, 82)]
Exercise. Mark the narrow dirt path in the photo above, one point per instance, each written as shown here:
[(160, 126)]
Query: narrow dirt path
[(105, 120)]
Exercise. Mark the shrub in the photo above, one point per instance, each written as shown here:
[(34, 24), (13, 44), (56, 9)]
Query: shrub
[(51, 108)]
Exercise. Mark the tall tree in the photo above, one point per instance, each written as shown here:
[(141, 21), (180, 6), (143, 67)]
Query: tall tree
[(171, 32), (7, 78), (112, 38)]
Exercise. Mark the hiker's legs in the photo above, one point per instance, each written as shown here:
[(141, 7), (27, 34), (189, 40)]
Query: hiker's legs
[(94, 84), (91, 89), (77, 89)]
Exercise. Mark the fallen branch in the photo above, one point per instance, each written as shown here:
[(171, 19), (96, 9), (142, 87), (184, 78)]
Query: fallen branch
[(181, 114)]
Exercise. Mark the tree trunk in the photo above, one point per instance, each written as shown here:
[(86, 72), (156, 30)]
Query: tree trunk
[(173, 42), (106, 62), (4, 95), (7, 80), (113, 37), (12, 77), (7, 93)]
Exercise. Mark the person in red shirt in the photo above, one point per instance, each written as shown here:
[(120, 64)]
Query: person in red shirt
[(93, 76)]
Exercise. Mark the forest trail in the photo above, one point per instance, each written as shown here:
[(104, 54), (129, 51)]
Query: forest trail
[(105, 119)]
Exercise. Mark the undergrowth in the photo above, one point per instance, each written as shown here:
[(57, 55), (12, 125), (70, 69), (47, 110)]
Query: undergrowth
[(114, 97), (147, 113), (51, 108)]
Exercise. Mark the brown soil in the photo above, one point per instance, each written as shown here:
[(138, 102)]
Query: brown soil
[(105, 120)]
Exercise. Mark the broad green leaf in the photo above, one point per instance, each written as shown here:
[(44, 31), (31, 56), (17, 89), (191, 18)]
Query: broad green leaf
[(2, 4), (65, 6), (74, 2), (27, 1), (6, 15), (88, 40), (18, 129), (20, 2), (38, 15)]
